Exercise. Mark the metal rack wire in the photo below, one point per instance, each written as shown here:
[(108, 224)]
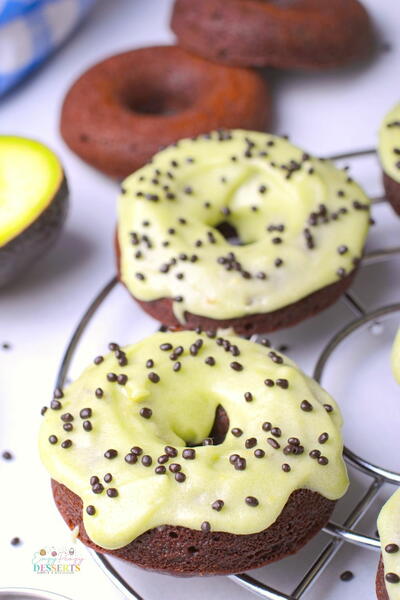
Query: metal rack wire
[(340, 533)]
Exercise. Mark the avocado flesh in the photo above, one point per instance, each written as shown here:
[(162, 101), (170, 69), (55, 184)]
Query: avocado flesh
[(30, 175), (33, 204)]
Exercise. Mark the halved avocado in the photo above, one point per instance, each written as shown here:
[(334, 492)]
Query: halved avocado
[(33, 203)]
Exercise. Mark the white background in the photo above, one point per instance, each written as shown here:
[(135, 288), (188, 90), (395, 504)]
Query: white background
[(324, 113)]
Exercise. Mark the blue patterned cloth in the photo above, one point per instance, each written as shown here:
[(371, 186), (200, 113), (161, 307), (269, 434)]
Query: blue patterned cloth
[(30, 30)]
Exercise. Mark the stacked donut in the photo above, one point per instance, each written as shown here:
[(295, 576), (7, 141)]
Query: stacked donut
[(199, 452), (120, 112)]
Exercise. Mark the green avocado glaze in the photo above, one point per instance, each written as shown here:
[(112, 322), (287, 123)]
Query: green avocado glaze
[(389, 533), (301, 221), (389, 143), (396, 357), (180, 406)]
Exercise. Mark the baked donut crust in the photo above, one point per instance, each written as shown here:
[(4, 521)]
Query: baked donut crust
[(288, 316), (123, 109), (193, 553), (392, 190), (307, 34), (381, 591)]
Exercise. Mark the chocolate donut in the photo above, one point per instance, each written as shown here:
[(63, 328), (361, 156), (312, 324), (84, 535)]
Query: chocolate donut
[(239, 229), (306, 34), (389, 153), (123, 109), (381, 591), (193, 454), (388, 574)]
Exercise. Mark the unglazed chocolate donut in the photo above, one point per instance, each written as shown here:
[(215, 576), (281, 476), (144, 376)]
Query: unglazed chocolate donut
[(193, 454), (122, 110), (309, 34), (300, 223), (389, 153), (388, 575)]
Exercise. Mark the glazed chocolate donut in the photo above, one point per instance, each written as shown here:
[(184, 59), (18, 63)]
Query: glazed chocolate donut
[(192, 454), (388, 575), (389, 153), (122, 110), (239, 229), (307, 34)]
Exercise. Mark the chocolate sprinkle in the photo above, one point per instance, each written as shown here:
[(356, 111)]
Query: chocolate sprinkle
[(240, 464), (110, 454), (98, 488), (15, 541), (306, 406), (259, 453), (251, 501), (145, 412), (236, 432), (236, 366), (250, 442), (282, 383), (392, 578), (131, 458), (189, 454), (175, 467), (273, 443), (85, 413)]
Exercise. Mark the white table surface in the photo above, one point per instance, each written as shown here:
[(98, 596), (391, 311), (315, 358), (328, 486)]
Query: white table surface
[(324, 113)]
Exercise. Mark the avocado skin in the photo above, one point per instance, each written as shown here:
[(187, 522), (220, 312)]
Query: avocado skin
[(20, 253)]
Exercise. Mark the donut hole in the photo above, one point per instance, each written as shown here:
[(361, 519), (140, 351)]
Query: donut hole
[(230, 233), (219, 428), (155, 101)]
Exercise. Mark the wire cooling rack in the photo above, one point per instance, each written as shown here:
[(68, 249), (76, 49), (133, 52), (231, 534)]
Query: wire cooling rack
[(340, 533)]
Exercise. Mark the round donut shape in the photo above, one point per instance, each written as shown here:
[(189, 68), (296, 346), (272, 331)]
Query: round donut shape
[(161, 453), (305, 34), (300, 230), (190, 552), (122, 110)]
